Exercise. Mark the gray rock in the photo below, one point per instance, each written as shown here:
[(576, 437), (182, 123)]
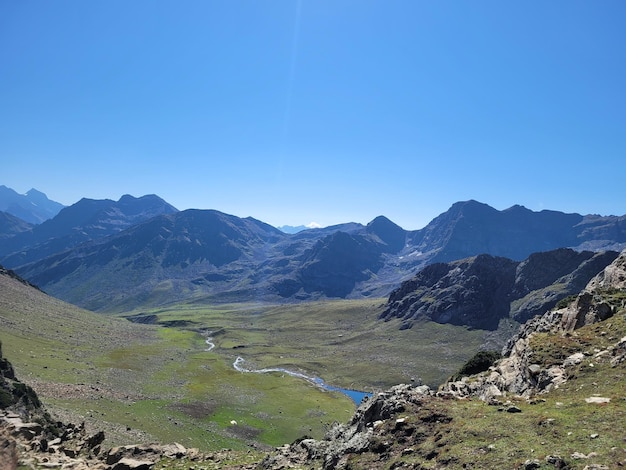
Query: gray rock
[(532, 464), (557, 461), (132, 464)]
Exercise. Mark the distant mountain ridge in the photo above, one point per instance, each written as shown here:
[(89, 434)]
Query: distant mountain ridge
[(33, 207), (292, 229), (474, 227), (198, 254), (88, 219)]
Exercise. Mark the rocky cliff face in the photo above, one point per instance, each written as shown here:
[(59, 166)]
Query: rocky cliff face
[(480, 291), (473, 292), (523, 372)]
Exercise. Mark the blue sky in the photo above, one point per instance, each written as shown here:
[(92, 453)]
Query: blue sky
[(317, 110)]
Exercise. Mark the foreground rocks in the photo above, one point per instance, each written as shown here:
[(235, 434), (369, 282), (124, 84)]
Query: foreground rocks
[(380, 426), (28, 445)]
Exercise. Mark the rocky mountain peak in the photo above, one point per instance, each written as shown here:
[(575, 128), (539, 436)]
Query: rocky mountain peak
[(388, 232), (33, 207)]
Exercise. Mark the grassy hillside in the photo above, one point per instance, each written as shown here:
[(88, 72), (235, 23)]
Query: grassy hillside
[(149, 383)]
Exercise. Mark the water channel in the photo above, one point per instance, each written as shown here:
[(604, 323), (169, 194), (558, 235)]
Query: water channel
[(355, 395)]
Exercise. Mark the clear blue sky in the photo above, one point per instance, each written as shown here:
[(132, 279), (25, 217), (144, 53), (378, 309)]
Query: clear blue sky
[(317, 110)]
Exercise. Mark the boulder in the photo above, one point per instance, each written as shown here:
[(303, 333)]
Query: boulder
[(132, 464)]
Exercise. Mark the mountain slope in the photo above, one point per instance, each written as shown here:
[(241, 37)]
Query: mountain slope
[(86, 220), (168, 258), (33, 207), (333, 266), (11, 225), (572, 376)]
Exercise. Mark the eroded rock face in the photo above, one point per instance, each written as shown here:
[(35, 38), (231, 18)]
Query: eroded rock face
[(586, 310)]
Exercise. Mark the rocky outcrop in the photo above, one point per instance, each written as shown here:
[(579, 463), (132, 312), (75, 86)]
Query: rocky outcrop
[(520, 373), (479, 291), (473, 292), (383, 415), (545, 278), (613, 277), (35, 446)]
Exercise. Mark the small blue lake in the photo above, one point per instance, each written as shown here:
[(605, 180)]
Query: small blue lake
[(356, 395)]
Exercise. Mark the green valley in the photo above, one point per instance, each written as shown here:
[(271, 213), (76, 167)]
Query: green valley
[(147, 383)]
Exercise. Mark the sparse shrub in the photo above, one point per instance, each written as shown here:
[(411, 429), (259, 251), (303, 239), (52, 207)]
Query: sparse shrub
[(6, 399), (481, 361), (565, 301), (27, 394)]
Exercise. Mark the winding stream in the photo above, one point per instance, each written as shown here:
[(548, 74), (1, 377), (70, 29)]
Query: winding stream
[(356, 395)]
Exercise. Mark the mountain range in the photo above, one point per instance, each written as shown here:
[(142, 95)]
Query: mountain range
[(107, 256)]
